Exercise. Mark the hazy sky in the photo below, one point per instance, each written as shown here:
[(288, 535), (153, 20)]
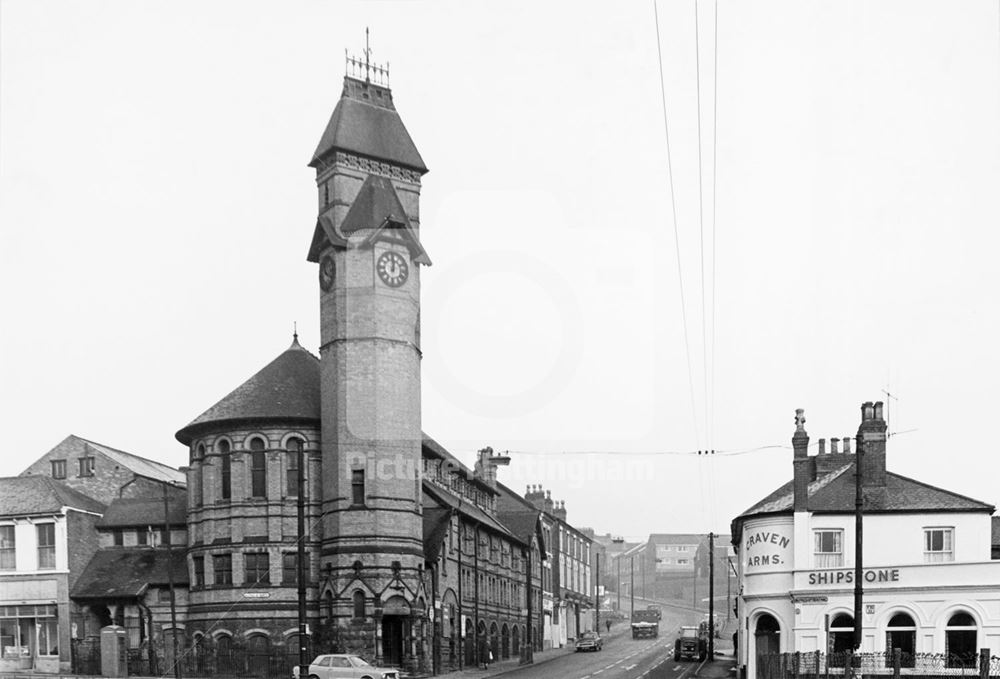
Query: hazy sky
[(156, 210)]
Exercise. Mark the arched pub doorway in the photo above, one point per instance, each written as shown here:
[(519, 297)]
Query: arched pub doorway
[(767, 643), (395, 620)]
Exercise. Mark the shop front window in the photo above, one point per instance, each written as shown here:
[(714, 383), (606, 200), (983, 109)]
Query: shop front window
[(27, 631)]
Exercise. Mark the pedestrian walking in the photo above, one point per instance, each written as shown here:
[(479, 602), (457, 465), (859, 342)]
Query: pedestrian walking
[(607, 625)]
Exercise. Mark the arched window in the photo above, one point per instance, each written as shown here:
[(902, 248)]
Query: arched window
[(292, 649), (258, 468), (226, 466), (258, 652), (841, 637), (359, 604), (292, 449), (960, 636), (199, 486), (224, 654), (901, 633)]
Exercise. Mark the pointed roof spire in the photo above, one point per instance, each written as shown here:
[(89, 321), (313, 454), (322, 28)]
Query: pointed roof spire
[(295, 335)]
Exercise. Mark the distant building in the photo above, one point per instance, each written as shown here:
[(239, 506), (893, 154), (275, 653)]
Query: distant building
[(930, 587), (102, 472), (47, 535)]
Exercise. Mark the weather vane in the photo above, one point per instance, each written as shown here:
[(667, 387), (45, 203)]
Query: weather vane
[(371, 72)]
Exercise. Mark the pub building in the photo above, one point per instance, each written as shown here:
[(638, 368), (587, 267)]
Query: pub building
[(930, 586)]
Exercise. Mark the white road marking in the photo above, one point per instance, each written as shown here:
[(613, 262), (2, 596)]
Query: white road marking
[(677, 668), (598, 672), (628, 667)]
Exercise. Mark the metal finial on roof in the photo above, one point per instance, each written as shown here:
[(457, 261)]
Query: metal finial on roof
[(357, 67)]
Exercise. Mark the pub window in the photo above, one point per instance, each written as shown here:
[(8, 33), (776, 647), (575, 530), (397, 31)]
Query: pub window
[(828, 549), (901, 633), (59, 469), (7, 548), (222, 566), (142, 536), (359, 603), (841, 638), (258, 468), (118, 537), (226, 470), (358, 486), (960, 641), (292, 466), (938, 545), (86, 466), (46, 545), (256, 569)]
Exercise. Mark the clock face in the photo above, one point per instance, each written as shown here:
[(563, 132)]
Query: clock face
[(326, 272), (392, 269)]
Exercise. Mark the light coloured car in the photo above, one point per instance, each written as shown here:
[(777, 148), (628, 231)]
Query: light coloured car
[(344, 666)]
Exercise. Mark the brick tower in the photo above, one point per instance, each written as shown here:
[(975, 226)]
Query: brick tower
[(367, 245)]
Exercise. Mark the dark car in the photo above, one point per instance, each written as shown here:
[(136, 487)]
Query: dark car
[(589, 641), (690, 644)]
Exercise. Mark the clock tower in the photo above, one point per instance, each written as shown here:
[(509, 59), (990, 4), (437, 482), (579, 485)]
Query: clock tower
[(367, 244)]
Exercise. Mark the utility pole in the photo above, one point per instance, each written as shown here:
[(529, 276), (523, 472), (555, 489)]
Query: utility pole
[(859, 501), (631, 586), (619, 586), (301, 560), (597, 592), (711, 596), (170, 582)]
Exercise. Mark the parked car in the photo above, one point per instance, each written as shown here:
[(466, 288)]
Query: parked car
[(344, 666), (589, 641)]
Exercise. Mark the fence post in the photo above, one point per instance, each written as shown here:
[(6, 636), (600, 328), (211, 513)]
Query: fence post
[(897, 662), (984, 663), (816, 655), (849, 664), (798, 664)]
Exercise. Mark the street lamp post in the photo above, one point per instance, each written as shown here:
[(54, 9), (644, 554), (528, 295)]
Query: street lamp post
[(631, 586), (170, 582)]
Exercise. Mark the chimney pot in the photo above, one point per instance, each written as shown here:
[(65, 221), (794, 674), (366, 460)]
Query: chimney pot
[(847, 445), (878, 410), (834, 446), (548, 494), (822, 446), (867, 411)]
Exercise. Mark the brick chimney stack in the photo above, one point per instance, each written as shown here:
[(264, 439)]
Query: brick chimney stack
[(804, 469), (871, 443), (560, 510), (549, 505)]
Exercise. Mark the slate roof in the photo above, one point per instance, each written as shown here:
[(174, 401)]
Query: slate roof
[(449, 500), (360, 125), (124, 573), (436, 521), (286, 389), (138, 465), (432, 448), (834, 492), (32, 495), (145, 512)]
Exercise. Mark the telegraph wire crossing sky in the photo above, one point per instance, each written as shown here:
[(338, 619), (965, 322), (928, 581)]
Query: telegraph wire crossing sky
[(157, 210)]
